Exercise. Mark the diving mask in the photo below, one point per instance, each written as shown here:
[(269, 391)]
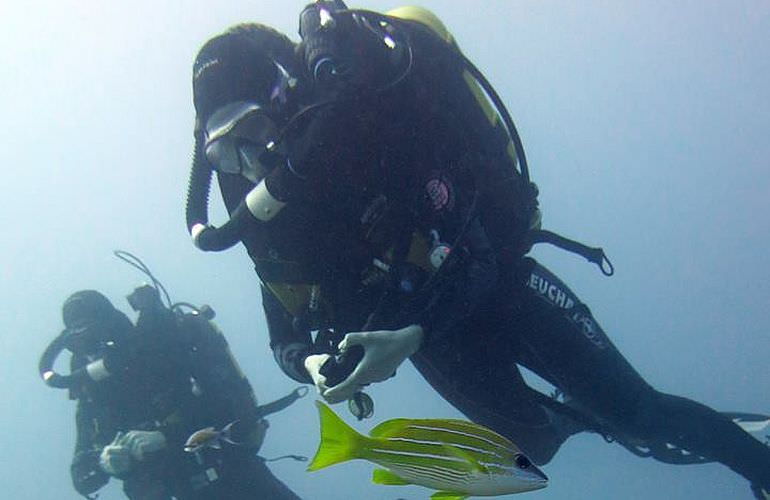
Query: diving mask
[(239, 140), (87, 337)]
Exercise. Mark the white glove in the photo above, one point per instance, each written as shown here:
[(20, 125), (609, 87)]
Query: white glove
[(139, 443), (384, 351), (115, 458), (313, 364)]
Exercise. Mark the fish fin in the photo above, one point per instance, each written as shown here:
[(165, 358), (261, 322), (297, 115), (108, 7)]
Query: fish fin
[(226, 433), (464, 455), (339, 441), (229, 427), (384, 476), (448, 495), (389, 428), (216, 444)]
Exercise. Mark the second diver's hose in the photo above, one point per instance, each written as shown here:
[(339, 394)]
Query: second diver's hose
[(47, 360)]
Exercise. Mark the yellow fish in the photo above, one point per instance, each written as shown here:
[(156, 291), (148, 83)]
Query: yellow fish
[(456, 457)]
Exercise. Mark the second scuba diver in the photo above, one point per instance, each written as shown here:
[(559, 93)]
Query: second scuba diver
[(377, 192), (142, 390)]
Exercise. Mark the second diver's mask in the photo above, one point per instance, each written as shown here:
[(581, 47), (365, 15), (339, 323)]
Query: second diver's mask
[(87, 338), (93, 327), (239, 137), (90, 322)]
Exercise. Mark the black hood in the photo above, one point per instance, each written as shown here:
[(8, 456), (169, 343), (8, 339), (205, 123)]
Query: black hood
[(240, 65)]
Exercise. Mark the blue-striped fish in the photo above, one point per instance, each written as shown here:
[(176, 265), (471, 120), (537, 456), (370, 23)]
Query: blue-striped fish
[(455, 457)]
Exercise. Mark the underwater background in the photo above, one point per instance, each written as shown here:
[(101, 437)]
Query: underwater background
[(646, 127)]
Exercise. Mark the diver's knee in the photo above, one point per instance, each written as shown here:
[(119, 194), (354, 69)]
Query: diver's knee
[(541, 442), (541, 446), (643, 417)]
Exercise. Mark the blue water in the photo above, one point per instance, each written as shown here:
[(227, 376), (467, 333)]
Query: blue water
[(645, 124)]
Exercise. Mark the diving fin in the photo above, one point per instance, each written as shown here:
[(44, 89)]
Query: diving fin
[(749, 422)]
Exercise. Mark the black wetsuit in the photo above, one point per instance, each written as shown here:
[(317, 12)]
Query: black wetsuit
[(537, 322), (179, 378), (494, 308)]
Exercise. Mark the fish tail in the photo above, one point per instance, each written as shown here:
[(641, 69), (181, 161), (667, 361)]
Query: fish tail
[(226, 434), (339, 441)]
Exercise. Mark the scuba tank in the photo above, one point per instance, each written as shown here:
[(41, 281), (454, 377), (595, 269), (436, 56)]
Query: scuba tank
[(329, 60)]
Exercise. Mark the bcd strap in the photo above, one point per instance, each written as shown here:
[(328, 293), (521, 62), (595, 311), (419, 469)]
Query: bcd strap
[(298, 458), (282, 403), (595, 255)]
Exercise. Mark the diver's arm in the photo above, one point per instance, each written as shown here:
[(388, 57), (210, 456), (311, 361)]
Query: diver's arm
[(289, 347)]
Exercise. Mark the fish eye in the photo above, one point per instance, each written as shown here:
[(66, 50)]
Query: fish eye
[(522, 462)]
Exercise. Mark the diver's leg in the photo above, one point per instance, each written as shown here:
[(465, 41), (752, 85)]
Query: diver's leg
[(476, 376), (562, 342)]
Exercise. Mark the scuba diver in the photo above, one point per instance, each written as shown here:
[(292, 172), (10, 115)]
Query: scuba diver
[(382, 192), (143, 389)]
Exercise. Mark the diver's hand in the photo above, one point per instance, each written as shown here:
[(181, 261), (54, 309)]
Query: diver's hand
[(313, 364), (115, 458), (384, 350), (140, 443)]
